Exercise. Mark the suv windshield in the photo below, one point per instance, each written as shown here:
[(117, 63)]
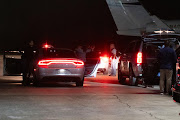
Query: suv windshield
[(56, 53)]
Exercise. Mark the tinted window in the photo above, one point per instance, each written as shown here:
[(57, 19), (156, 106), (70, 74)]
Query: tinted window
[(152, 50), (56, 53), (137, 48), (130, 48)]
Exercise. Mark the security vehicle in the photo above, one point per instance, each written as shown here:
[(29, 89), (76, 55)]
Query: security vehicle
[(176, 86), (57, 64), (139, 60)]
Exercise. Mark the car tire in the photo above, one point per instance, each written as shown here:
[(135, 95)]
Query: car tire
[(132, 78), (121, 79), (36, 81), (80, 83), (176, 97), (26, 80)]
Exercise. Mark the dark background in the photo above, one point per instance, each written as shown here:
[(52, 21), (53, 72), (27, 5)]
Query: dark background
[(66, 23)]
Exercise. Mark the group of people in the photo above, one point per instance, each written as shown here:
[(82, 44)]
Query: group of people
[(83, 54), (91, 53)]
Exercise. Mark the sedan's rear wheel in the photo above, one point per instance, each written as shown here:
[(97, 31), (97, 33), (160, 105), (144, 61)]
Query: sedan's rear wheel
[(80, 83)]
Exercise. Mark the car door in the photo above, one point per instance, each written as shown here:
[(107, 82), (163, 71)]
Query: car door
[(127, 58), (91, 64), (12, 63)]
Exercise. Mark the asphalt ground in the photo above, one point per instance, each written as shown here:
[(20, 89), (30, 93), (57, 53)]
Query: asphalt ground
[(101, 98)]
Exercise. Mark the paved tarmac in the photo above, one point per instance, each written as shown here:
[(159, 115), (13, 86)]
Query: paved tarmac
[(101, 98)]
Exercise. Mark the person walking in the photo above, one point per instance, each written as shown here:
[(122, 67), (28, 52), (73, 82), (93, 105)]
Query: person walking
[(167, 58), (27, 62)]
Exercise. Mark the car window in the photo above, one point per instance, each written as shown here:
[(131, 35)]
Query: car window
[(152, 50), (130, 47), (56, 53), (137, 46)]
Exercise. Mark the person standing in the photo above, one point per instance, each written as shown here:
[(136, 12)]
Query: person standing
[(27, 62), (167, 58), (80, 53), (114, 60)]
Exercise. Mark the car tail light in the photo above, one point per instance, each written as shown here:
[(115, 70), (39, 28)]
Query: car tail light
[(104, 59), (47, 46), (139, 58), (45, 63)]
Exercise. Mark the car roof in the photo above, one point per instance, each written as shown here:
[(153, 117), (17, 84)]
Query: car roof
[(160, 38)]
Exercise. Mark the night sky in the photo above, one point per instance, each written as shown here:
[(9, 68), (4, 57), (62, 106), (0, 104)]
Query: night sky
[(164, 9), (63, 23)]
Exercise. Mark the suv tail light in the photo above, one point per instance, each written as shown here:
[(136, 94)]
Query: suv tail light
[(139, 58), (45, 63)]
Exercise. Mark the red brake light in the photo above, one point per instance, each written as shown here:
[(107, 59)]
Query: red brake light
[(78, 63), (139, 57), (48, 62), (47, 46), (104, 59)]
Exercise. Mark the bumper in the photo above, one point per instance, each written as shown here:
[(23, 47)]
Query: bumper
[(138, 70), (62, 75)]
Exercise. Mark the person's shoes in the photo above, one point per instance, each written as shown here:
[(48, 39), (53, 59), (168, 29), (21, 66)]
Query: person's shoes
[(161, 93), (145, 86)]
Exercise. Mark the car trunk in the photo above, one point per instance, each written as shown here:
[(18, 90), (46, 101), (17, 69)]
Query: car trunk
[(151, 65), (58, 63)]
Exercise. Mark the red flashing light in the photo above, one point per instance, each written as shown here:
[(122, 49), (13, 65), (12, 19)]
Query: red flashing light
[(139, 58), (45, 63), (46, 46)]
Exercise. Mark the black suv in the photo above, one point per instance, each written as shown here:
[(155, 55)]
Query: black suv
[(139, 60)]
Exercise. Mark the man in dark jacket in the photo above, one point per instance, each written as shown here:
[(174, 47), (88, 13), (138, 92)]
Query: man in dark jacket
[(27, 62), (167, 58)]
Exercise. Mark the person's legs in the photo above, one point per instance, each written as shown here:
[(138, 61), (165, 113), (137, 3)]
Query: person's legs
[(26, 73), (168, 80), (113, 70), (162, 79)]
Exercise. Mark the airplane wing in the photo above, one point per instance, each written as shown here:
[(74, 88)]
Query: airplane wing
[(160, 24), (130, 16)]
